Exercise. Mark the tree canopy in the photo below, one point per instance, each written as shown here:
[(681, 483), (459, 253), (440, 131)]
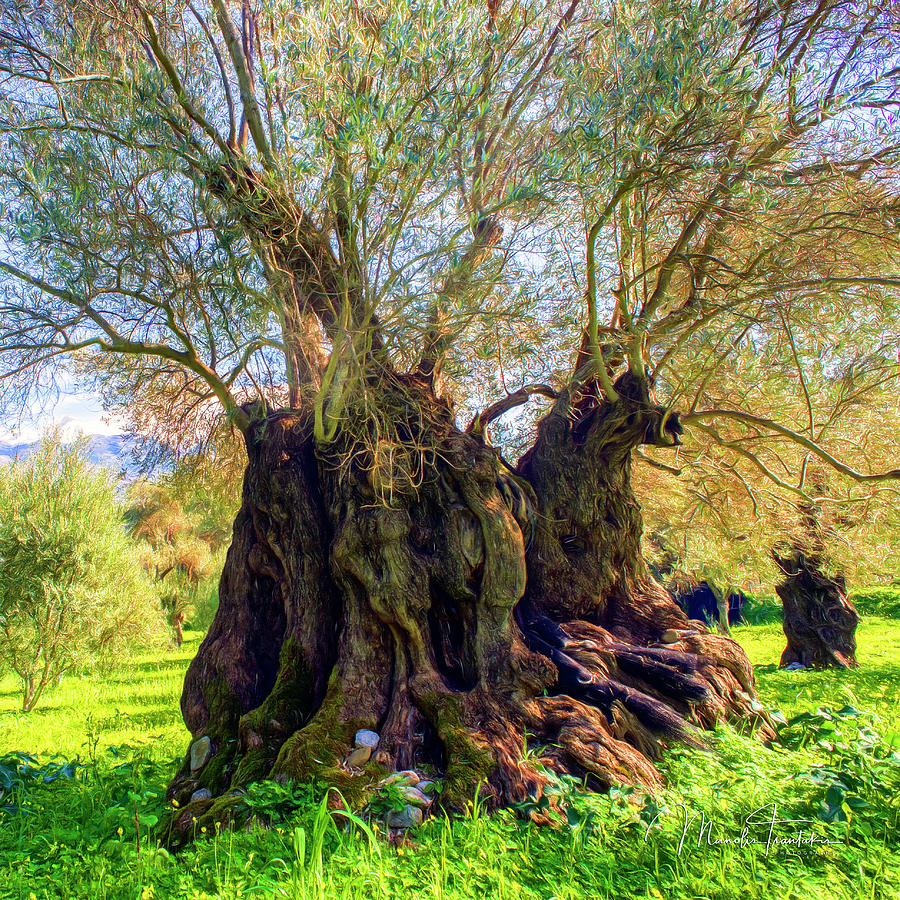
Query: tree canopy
[(210, 203)]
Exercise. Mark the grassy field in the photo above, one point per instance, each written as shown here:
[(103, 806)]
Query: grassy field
[(86, 830)]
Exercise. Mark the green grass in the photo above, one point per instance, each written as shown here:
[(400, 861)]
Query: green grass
[(89, 836), (874, 685), (878, 601), (136, 704)]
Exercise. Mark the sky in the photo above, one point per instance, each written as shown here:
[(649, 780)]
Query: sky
[(74, 412)]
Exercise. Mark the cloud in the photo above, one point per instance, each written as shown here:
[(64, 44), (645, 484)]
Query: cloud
[(74, 413)]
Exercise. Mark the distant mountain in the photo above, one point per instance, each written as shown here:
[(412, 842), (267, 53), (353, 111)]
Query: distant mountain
[(114, 451)]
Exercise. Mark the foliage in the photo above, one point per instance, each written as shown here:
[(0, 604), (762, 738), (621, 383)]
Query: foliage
[(495, 195), (157, 517), (277, 803), (859, 761), (182, 524), (716, 526), (81, 836), (762, 610), (71, 591), (878, 601), (18, 770)]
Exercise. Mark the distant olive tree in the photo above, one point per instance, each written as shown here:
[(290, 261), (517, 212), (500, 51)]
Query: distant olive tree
[(71, 590), (181, 522)]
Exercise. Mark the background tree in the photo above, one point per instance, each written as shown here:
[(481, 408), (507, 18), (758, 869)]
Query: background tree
[(182, 521), (819, 621), (731, 516), (72, 594), (349, 226)]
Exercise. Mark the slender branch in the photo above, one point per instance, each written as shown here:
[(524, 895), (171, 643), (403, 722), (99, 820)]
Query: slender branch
[(697, 418), (790, 334), (177, 85), (672, 470), (114, 342), (245, 81), (226, 84), (487, 232), (738, 448)]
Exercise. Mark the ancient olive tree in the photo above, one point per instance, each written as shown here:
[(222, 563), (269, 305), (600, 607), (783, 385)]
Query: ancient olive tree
[(364, 232), (819, 619)]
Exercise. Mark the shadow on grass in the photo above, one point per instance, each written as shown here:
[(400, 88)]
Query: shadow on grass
[(136, 680), (877, 674), (144, 720), (47, 707)]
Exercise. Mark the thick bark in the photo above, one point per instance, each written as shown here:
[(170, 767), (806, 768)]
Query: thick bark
[(488, 611), (819, 620)]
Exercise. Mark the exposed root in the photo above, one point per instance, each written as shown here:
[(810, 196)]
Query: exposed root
[(584, 742)]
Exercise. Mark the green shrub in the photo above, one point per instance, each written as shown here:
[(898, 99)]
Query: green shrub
[(72, 591), (761, 609)]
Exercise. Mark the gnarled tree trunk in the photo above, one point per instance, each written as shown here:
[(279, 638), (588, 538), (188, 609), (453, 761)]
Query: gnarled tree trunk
[(819, 620), (489, 610)]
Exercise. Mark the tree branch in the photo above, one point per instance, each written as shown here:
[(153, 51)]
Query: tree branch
[(697, 418), (510, 401), (177, 85), (114, 342), (245, 82)]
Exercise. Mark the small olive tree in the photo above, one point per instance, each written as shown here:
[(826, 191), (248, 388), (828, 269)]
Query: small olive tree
[(181, 523), (72, 592)]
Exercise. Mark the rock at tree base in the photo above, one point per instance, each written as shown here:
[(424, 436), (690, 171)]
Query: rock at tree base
[(415, 797), (405, 777), (409, 817), (201, 751), (359, 756), (366, 738)]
